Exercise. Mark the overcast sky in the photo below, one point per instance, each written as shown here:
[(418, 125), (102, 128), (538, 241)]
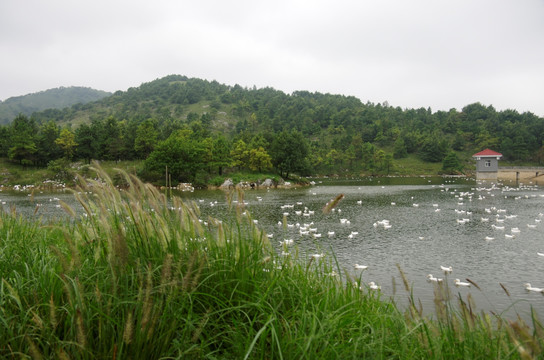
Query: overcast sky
[(410, 53)]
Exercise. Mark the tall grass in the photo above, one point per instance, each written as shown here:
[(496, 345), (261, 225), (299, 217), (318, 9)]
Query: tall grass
[(142, 276)]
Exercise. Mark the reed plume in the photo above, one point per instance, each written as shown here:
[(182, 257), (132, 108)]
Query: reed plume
[(332, 204)]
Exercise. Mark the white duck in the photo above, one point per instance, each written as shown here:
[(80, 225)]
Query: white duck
[(458, 282), (287, 242), (373, 286), (361, 267), (528, 287), (446, 270), (430, 277)]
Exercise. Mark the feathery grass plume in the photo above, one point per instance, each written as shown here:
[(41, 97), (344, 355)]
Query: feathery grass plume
[(473, 283), (187, 281), (119, 252), (83, 202), (61, 354), (505, 289), (196, 278), (229, 195), (332, 204), (440, 302), (13, 294), (33, 349), (527, 346), (523, 353), (471, 303), (80, 330), (75, 261), (404, 278), (52, 313), (466, 314), (61, 258), (240, 205), (166, 272), (129, 329), (68, 209), (67, 290), (485, 322), (147, 303), (202, 323), (37, 320)]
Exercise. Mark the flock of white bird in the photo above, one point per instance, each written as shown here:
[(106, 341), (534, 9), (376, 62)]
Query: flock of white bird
[(496, 217), (501, 224)]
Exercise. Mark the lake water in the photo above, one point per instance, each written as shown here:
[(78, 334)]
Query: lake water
[(489, 233)]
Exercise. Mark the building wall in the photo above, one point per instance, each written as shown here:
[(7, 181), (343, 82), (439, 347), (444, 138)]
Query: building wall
[(486, 175), (481, 165)]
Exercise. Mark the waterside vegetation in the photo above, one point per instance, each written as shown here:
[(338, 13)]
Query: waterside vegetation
[(142, 276)]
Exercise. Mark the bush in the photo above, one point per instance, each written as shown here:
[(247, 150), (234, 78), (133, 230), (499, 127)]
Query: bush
[(60, 170)]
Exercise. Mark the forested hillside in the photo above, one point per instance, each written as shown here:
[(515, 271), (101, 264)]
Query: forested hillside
[(49, 99), (200, 128)]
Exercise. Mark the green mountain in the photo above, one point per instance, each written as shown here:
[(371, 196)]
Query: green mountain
[(58, 98), (339, 134)]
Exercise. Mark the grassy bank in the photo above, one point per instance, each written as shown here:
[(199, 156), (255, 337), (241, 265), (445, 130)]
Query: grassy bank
[(140, 277)]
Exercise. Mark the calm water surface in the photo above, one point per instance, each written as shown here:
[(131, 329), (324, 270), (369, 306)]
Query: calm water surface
[(433, 222)]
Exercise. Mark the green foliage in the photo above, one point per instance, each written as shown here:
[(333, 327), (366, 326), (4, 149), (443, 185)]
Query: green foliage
[(289, 152), (66, 142), (146, 138), (87, 146), (220, 154), (259, 160), (181, 155), (22, 140), (433, 149), (60, 170), (239, 154), (399, 150), (451, 164)]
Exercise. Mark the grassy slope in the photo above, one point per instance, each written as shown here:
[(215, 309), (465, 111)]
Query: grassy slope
[(137, 278)]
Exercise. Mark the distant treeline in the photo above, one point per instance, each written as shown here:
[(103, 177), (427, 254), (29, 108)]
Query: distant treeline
[(202, 127)]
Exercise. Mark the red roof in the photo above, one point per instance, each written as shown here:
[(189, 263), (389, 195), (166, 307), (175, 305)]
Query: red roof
[(487, 152)]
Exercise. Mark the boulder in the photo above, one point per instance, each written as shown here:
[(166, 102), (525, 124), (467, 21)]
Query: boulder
[(267, 183), (227, 184)]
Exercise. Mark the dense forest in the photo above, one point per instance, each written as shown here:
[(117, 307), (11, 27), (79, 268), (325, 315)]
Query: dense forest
[(58, 98), (200, 128)]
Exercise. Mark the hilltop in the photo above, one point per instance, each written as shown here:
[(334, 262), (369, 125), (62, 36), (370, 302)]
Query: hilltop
[(57, 98)]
